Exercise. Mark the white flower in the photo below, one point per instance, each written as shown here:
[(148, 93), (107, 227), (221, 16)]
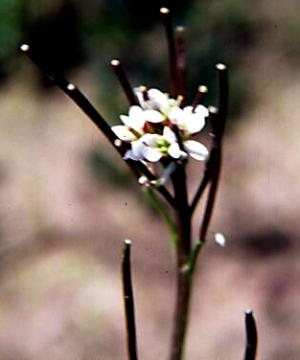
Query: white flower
[(152, 147), (189, 121), (134, 123), (149, 128), (194, 148), (156, 100)]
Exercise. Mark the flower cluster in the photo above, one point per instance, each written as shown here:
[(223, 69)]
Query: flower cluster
[(159, 128)]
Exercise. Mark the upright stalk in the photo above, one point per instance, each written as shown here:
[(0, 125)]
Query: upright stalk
[(180, 321), (183, 249)]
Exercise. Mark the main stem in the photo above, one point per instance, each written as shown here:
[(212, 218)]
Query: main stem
[(180, 322), (183, 277)]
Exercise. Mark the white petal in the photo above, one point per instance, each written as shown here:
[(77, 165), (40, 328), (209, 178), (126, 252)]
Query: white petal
[(174, 151), (169, 135), (135, 111), (123, 133), (175, 115), (194, 123), (137, 148), (188, 110), (125, 119), (136, 117), (196, 150), (158, 99), (153, 116), (202, 110), (150, 139), (131, 156), (152, 154)]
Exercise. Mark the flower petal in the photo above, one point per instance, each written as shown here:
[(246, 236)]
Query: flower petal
[(153, 116), (174, 151), (193, 122), (176, 115), (123, 133), (129, 155), (136, 118), (158, 99), (169, 135), (202, 110), (150, 139), (137, 148), (196, 150), (152, 154)]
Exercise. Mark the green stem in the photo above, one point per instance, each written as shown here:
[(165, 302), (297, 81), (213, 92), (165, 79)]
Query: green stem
[(163, 211), (193, 257), (181, 315)]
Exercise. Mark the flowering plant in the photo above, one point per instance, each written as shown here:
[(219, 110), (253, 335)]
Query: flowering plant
[(156, 140)]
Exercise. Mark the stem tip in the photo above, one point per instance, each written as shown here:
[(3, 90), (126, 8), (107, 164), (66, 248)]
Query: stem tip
[(25, 47), (180, 29), (118, 143), (164, 10), (127, 242), (71, 87), (202, 89), (115, 62), (212, 110), (221, 67)]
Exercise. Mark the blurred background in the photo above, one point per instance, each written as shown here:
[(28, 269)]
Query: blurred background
[(67, 201)]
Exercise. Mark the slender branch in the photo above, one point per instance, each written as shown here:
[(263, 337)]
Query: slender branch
[(201, 188), (74, 93), (201, 91), (83, 103), (166, 17), (218, 120), (214, 166), (251, 333), (128, 299), (119, 71), (219, 126), (181, 58)]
